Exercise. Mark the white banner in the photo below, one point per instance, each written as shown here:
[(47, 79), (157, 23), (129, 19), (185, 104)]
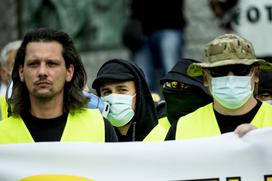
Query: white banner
[(221, 158)]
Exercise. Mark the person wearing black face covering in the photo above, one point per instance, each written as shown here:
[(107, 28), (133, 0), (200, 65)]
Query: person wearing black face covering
[(183, 94), (132, 112)]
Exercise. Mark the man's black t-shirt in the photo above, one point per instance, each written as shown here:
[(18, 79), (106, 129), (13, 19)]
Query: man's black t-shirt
[(229, 123), (226, 123), (52, 129)]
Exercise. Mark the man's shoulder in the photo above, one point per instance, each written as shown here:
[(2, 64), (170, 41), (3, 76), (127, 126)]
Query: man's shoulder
[(86, 113), (265, 107), (12, 120), (83, 111), (207, 107)]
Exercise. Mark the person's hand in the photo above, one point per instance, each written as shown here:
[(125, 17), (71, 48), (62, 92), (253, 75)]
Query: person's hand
[(243, 129)]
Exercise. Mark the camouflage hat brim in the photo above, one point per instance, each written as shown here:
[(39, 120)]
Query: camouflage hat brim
[(195, 69)]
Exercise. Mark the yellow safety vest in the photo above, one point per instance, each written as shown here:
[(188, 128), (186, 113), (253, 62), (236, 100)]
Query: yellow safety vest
[(159, 132), (4, 108), (86, 125), (203, 123)]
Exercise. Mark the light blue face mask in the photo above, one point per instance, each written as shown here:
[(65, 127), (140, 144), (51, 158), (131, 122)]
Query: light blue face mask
[(231, 92), (121, 111)]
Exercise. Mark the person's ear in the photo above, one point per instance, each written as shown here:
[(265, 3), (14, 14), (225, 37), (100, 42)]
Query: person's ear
[(21, 71), (69, 73), (256, 74)]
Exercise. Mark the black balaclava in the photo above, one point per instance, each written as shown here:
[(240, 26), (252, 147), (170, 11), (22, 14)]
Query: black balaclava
[(144, 119), (186, 94), (183, 101)]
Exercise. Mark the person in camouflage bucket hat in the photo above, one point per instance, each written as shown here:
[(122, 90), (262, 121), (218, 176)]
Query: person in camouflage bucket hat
[(227, 49), (230, 70)]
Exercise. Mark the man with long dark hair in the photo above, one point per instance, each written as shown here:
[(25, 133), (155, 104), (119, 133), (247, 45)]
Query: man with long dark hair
[(47, 102)]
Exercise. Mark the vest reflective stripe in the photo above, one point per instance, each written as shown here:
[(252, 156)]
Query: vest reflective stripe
[(159, 132), (4, 108), (85, 125), (202, 122)]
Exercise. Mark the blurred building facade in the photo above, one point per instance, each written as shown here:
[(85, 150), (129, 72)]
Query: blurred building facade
[(94, 25)]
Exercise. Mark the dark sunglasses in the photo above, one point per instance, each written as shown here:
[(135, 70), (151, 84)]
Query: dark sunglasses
[(238, 70)]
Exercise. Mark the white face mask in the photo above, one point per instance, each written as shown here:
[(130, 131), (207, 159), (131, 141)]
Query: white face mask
[(231, 92), (121, 111)]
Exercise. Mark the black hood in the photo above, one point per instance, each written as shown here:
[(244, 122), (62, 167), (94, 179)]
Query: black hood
[(123, 70), (179, 73)]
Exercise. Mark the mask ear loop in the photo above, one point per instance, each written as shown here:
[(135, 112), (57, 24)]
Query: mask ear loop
[(8, 97)]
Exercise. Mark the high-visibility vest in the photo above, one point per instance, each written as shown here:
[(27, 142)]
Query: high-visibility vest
[(86, 125), (4, 108), (158, 133), (203, 123)]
